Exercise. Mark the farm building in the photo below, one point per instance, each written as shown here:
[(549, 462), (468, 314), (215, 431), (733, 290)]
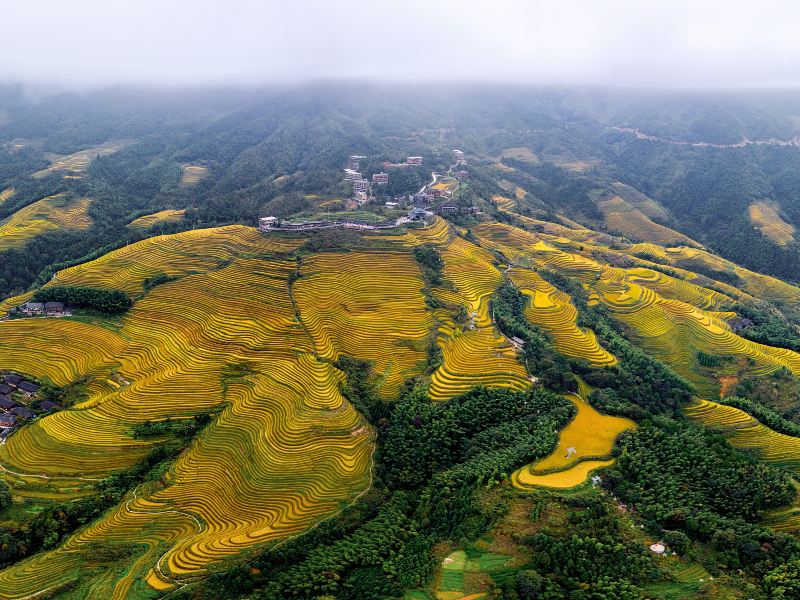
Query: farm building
[(417, 214), (32, 307), (23, 412), (8, 420), (414, 160), (13, 379), (28, 387), (462, 175), (6, 403), (5, 389), (54, 307), (380, 178), (48, 406), (267, 222), (360, 185)]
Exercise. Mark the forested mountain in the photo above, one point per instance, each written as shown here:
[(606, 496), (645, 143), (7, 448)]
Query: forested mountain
[(271, 147)]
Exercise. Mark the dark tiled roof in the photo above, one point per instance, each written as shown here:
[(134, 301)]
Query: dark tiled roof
[(48, 405), (13, 379), (6, 402), (7, 420), (5, 389), (25, 413), (28, 386)]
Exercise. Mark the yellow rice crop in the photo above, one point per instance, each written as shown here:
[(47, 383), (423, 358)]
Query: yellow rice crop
[(587, 440), (629, 221), (285, 452), (553, 311), (191, 174), (169, 215), (175, 255), (764, 216), (78, 162), (368, 305), (53, 212)]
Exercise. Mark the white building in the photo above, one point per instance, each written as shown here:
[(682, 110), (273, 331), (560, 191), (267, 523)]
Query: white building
[(267, 222), (414, 160), (458, 156), (360, 185)]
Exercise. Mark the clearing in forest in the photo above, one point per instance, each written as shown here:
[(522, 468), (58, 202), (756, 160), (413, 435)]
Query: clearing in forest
[(73, 165), (47, 214), (764, 215), (192, 174), (169, 215), (583, 446)]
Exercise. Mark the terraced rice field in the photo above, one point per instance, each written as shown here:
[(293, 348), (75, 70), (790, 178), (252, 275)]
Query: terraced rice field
[(192, 174), (169, 215), (518, 192), (629, 221), (743, 431), (583, 446), (6, 194), (476, 354), (520, 153), (48, 214), (765, 217), (754, 284), (368, 305), (553, 311), (176, 255), (74, 164), (675, 331), (445, 184), (285, 451), (673, 318), (505, 203)]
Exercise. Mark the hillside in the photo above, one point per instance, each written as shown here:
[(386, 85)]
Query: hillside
[(557, 379)]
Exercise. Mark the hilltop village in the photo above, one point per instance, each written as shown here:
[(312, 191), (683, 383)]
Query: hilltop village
[(434, 197)]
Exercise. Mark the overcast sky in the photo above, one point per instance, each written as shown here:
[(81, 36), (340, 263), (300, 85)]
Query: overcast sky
[(672, 43)]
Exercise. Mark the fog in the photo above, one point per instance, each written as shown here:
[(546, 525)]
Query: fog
[(674, 43)]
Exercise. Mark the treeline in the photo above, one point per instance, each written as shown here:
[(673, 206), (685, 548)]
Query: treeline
[(432, 459), (542, 360), (768, 326), (657, 474), (52, 525), (112, 302)]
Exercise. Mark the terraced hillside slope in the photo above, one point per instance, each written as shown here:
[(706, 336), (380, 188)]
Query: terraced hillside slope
[(73, 165), (170, 215), (47, 214), (248, 327)]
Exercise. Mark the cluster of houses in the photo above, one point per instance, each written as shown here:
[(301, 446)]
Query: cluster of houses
[(13, 390), (362, 186), (48, 309)]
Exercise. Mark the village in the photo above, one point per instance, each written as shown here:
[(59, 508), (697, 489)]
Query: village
[(435, 197), (42, 309), (20, 403)]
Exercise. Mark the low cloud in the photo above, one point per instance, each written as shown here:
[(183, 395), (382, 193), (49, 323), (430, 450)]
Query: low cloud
[(678, 43)]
